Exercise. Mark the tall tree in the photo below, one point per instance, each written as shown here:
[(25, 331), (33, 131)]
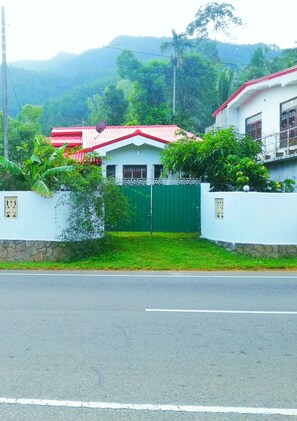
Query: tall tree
[(216, 16), (150, 98), (197, 93), (178, 45)]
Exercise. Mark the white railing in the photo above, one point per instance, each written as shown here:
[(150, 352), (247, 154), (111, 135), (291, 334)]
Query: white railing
[(279, 145)]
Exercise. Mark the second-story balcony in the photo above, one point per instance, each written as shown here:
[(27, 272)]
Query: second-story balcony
[(278, 146)]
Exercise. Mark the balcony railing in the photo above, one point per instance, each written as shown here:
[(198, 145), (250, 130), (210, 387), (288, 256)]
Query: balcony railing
[(170, 181), (279, 145)]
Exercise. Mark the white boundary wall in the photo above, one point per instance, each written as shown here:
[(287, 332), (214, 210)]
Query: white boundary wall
[(250, 218), (37, 218)]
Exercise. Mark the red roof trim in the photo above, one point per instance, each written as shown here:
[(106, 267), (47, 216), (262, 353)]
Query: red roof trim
[(69, 144), (77, 129), (254, 82), (136, 133), (66, 133)]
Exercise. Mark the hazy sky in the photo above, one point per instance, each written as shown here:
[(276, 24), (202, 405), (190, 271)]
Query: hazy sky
[(39, 29)]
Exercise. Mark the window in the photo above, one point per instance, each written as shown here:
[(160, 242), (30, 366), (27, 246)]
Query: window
[(110, 171), (288, 123), (253, 126), (158, 169), (138, 172), (288, 112)]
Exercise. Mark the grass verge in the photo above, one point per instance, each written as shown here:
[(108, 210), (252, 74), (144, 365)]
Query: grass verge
[(162, 251)]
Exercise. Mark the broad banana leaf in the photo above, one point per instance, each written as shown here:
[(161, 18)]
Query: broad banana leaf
[(41, 188), (56, 170), (11, 167)]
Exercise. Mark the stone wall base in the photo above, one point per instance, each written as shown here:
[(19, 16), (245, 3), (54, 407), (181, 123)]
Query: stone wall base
[(261, 250), (31, 251)]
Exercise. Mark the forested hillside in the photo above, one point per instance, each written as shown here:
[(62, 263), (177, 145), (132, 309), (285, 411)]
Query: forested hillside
[(130, 81), (35, 82)]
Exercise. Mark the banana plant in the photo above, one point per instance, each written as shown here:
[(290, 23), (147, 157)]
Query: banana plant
[(37, 170)]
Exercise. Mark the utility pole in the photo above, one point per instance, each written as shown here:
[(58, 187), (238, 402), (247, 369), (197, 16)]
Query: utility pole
[(174, 63), (4, 88)]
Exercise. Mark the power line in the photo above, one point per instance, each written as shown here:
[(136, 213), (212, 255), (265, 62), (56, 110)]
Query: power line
[(138, 52), (162, 55), (13, 88)]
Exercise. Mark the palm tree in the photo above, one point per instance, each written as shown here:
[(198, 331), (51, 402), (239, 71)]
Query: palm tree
[(225, 84), (37, 170), (178, 44)]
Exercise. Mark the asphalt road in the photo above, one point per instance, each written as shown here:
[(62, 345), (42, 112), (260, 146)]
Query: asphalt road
[(203, 343)]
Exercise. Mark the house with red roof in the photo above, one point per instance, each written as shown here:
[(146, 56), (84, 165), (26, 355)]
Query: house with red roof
[(266, 109), (128, 153)]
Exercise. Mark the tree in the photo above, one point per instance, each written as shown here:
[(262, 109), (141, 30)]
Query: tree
[(151, 93), (197, 94), (219, 15), (71, 109), (178, 44), (110, 107), (225, 84), (128, 66), (259, 66), (148, 95), (181, 157), (224, 158), (21, 131), (287, 59), (39, 173), (94, 202)]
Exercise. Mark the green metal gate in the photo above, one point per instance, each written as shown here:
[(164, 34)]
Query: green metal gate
[(163, 208)]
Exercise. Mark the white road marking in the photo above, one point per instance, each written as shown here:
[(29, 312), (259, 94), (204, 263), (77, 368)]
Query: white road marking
[(151, 407), (171, 310), (149, 275)]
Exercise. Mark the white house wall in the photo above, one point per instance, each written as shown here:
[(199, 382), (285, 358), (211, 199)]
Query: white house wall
[(279, 171), (266, 102), (134, 140), (131, 154)]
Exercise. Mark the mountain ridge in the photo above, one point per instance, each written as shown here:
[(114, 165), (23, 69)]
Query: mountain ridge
[(39, 81)]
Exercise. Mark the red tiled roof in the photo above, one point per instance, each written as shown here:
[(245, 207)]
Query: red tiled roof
[(254, 82), (71, 140), (80, 156), (90, 139)]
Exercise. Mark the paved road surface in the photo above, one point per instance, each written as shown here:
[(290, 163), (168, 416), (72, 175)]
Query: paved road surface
[(228, 343)]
